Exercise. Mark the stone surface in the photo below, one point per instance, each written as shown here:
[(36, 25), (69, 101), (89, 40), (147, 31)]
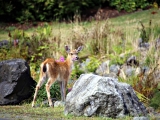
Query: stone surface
[(16, 83), (4, 43), (132, 61), (45, 102), (103, 96), (142, 44), (114, 69), (103, 68), (141, 118), (59, 104)]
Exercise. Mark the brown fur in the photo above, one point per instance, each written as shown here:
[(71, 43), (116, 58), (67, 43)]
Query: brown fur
[(56, 71)]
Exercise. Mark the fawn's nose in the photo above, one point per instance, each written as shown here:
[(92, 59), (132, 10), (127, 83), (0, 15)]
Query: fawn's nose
[(77, 58)]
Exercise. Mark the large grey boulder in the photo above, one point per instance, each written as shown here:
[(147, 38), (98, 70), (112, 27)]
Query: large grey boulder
[(16, 83), (102, 96)]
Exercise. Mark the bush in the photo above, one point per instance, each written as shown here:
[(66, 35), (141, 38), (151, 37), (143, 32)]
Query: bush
[(44, 10), (93, 64), (155, 101), (130, 5), (76, 72), (54, 91), (146, 85), (33, 48), (47, 10)]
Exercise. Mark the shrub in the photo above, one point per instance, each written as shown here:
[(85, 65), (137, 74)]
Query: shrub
[(145, 32), (116, 59), (155, 101), (130, 5), (93, 64), (146, 85), (76, 72), (44, 10), (33, 48), (54, 91)]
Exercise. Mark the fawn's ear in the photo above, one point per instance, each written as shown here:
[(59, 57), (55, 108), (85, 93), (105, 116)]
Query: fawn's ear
[(67, 48), (79, 48)]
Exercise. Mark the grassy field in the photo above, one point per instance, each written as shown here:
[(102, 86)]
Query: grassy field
[(129, 24), (26, 112)]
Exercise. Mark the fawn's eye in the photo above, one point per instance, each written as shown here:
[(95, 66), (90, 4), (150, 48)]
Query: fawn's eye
[(71, 53)]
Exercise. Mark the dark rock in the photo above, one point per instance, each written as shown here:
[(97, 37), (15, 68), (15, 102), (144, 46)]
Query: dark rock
[(132, 61), (143, 44), (7, 44), (4, 43), (16, 83), (102, 96)]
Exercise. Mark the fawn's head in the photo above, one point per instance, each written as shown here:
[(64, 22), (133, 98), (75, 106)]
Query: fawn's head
[(73, 54)]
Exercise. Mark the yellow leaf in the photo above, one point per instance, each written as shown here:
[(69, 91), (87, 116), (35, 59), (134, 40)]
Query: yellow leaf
[(155, 5)]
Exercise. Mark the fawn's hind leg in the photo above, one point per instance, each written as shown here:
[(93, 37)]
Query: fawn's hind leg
[(40, 83)]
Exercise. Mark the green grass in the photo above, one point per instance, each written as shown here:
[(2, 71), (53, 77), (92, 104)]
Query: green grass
[(134, 18), (26, 112), (127, 23)]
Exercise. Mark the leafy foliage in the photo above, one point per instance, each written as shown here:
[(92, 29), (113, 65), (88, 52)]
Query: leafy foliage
[(146, 86), (33, 48), (76, 72), (116, 59), (44, 10), (93, 64), (145, 33), (155, 101), (54, 91), (130, 5), (47, 10)]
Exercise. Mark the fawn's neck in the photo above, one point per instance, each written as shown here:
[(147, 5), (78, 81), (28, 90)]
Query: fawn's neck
[(69, 62)]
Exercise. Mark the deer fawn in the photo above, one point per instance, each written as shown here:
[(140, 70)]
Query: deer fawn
[(56, 71)]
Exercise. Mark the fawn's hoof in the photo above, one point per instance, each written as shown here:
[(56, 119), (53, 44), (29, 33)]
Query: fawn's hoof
[(33, 105), (51, 105)]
